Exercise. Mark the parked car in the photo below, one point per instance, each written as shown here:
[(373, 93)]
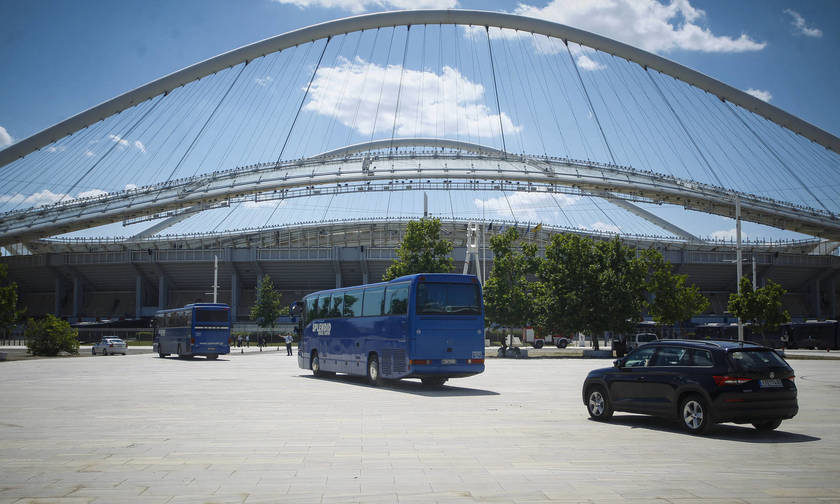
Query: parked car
[(109, 345), (697, 383), (639, 339)]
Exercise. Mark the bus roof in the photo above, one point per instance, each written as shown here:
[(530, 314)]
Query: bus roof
[(435, 277), (222, 306)]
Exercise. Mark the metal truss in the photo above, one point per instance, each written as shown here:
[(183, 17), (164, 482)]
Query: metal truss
[(358, 172)]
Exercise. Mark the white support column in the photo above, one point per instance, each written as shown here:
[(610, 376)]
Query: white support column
[(740, 266)]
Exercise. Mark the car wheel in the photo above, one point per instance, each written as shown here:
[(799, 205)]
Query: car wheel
[(694, 414), (598, 404), (538, 344), (315, 364), (104, 351), (433, 382), (767, 425), (501, 352), (517, 353), (562, 343), (374, 377), (93, 351)]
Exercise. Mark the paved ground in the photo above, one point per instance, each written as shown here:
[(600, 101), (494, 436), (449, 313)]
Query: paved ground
[(254, 428)]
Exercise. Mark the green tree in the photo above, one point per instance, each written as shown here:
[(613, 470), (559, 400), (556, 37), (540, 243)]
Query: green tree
[(673, 300), (590, 287), (268, 306), (510, 289), (762, 306), (10, 314), (421, 251), (50, 335)]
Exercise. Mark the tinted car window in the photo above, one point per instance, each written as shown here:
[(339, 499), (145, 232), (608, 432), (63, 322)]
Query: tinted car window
[(748, 361), (700, 358), (639, 358), (670, 356), (372, 306), (207, 316), (311, 309), (324, 306)]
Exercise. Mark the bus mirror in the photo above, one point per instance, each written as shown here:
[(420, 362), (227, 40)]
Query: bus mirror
[(296, 308)]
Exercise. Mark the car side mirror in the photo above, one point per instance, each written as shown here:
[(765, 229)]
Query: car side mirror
[(617, 363)]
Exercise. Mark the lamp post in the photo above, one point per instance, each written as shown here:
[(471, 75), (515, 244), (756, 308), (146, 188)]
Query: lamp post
[(739, 266)]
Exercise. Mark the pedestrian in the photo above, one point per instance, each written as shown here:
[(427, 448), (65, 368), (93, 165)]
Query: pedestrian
[(248, 340), (288, 344), (239, 341)]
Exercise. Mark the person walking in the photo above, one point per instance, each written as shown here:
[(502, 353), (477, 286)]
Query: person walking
[(239, 341), (288, 344), (248, 340)]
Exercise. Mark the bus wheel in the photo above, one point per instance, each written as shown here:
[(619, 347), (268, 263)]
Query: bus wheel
[(212, 357), (161, 355), (374, 377), (316, 365), (433, 382)]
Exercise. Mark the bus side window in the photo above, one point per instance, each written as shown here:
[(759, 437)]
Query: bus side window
[(353, 303), (396, 300), (311, 309), (337, 307), (324, 306), (372, 306)]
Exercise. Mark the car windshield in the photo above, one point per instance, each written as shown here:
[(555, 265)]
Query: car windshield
[(645, 337), (448, 298), (750, 361)]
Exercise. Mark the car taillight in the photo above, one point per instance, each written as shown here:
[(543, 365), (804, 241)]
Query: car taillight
[(730, 380), (791, 377), (475, 361), (422, 362), (192, 341), (110, 345)]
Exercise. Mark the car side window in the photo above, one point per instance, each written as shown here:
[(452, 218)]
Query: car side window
[(670, 356), (639, 358), (701, 358)]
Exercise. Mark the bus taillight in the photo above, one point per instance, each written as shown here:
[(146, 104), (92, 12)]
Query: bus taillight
[(475, 361)]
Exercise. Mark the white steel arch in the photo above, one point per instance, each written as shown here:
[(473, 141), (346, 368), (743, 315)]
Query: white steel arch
[(414, 17), (414, 171)]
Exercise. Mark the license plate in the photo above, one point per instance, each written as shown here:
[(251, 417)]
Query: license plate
[(447, 361), (773, 383)]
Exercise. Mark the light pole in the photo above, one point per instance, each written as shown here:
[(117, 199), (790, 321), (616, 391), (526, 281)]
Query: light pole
[(739, 266)]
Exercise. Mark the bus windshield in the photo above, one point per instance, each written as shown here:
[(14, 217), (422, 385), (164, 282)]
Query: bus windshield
[(211, 315), (448, 299)]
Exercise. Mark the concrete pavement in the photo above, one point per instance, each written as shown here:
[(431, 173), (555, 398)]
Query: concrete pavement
[(252, 427)]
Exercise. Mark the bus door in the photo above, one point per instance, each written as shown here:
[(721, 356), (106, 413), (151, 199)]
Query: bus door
[(394, 357), (448, 322)]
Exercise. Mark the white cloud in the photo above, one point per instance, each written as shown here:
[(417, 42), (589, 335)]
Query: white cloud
[(647, 24), (760, 94), (125, 143), (799, 23), (604, 227), (40, 198), (586, 63), (5, 138), (449, 100), (363, 5), (92, 193), (529, 206), (263, 81), (728, 235)]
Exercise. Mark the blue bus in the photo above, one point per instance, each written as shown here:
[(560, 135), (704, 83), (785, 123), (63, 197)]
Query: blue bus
[(196, 329), (428, 326)]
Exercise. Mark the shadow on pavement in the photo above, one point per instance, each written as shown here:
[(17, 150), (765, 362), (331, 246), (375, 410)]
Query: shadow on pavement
[(727, 432), (408, 386)]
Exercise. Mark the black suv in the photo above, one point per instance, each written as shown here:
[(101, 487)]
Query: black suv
[(698, 383)]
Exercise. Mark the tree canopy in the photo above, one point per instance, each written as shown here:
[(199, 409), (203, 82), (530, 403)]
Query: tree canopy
[(268, 305), (10, 314), (762, 306), (510, 289), (673, 300), (421, 250)]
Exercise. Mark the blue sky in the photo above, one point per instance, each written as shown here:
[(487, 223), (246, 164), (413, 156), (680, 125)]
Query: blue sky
[(62, 57)]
